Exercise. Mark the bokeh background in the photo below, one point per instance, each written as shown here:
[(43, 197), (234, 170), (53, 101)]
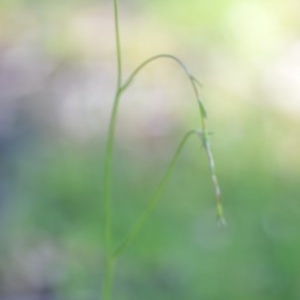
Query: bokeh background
[(57, 81)]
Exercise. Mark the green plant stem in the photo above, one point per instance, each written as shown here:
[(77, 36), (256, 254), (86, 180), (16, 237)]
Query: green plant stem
[(108, 279), (118, 45), (107, 174), (149, 60), (191, 78), (109, 260), (203, 115), (111, 254), (153, 201)]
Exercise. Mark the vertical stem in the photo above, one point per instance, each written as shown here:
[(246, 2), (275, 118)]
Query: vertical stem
[(108, 280), (109, 260), (118, 45)]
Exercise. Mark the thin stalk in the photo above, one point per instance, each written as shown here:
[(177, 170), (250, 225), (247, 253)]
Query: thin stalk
[(219, 209), (107, 174), (118, 44), (111, 254), (153, 201), (149, 60), (109, 260), (191, 78), (203, 115), (108, 279)]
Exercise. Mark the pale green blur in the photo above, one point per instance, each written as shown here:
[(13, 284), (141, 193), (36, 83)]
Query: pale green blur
[(57, 77)]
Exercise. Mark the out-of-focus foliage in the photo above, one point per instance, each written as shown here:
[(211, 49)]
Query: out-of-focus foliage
[(57, 75)]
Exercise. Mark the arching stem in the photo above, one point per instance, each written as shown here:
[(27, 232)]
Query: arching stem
[(195, 82), (111, 253), (153, 201)]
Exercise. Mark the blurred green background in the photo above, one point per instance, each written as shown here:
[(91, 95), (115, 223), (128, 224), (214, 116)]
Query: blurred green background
[(57, 80)]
